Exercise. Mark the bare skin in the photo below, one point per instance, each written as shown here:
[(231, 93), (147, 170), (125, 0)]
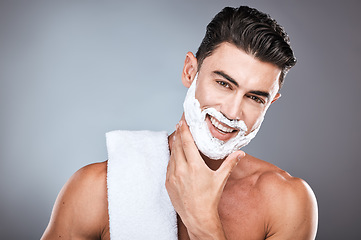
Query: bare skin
[(258, 201), (81, 208), (240, 197)]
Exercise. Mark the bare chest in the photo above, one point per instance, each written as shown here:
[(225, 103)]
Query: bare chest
[(242, 211)]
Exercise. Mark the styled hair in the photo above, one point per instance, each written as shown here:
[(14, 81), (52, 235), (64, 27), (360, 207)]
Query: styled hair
[(254, 32)]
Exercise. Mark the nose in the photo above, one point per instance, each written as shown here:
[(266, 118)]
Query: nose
[(232, 107)]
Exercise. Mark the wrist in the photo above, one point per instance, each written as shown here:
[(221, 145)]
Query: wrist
[(211, 228)]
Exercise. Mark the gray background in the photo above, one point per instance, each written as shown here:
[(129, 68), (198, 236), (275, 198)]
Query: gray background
[(72, 70)]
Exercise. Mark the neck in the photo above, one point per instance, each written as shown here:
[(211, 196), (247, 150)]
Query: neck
[(211, 163)]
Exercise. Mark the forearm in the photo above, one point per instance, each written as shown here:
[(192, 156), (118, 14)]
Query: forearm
[(195, 189)]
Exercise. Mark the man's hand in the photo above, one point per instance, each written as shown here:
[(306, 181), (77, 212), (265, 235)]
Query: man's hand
[(194, 189)]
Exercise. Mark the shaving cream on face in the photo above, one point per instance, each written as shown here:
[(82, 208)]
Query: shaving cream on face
[(210, 146)]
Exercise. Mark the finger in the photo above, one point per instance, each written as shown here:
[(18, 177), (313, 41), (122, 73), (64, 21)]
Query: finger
[(189, 147), (177, 150), (183, 118), (171, 163), (229, 163)]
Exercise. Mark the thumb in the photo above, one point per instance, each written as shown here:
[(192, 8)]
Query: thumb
[(229, 163)]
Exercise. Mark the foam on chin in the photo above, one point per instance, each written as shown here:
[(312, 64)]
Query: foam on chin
[(210, 146)]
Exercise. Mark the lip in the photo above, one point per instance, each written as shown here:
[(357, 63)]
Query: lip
[(223, 136)]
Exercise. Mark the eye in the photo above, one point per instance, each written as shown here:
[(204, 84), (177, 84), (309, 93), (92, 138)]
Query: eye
[(224, 84), (256, 99)]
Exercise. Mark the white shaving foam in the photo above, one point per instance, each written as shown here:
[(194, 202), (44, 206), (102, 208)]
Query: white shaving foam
[(210, 146)]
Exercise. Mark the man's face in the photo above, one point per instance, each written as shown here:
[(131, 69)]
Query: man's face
[(239, 86)]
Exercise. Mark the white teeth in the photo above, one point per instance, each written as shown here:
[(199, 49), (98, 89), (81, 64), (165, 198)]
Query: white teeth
[(220, 126)]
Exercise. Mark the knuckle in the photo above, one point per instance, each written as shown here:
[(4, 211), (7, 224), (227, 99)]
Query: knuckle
[(187, 144), (179, 173), (194, 166), (167, 175), (169, 182)]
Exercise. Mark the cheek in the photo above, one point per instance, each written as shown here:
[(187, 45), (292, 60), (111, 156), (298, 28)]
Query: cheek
[(252, 116), (205, 100), (207, 97)]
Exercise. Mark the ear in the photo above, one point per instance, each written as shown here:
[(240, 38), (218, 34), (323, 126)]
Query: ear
[(189, 69), (278, 95)]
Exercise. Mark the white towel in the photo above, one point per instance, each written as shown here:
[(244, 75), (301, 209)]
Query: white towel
[(139, 205)]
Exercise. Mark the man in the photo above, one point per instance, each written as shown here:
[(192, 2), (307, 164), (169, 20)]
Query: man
[(218, 192)]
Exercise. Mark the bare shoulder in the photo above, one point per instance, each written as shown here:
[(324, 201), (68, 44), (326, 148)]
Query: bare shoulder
[(80, 209), (291, 204)]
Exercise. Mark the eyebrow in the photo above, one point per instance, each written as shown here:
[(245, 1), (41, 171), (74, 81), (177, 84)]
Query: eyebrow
[(229, 78), (261, 93), (226, 76)]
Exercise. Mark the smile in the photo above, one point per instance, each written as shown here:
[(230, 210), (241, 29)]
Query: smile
[(221, 126)]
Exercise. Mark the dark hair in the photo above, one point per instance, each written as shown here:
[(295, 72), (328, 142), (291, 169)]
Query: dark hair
[(254, 32)]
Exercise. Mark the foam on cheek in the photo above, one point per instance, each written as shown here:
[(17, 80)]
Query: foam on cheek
[(206, 143)]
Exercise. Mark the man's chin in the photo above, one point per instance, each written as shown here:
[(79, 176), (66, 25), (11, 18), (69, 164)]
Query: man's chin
[(212, 159)]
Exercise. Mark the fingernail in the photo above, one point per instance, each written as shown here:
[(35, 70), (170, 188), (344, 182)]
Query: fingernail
[(180, 123), (241, 155), (177, 126)]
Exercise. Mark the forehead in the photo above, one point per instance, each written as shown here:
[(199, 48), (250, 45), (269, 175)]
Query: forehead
[(247, 70)]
